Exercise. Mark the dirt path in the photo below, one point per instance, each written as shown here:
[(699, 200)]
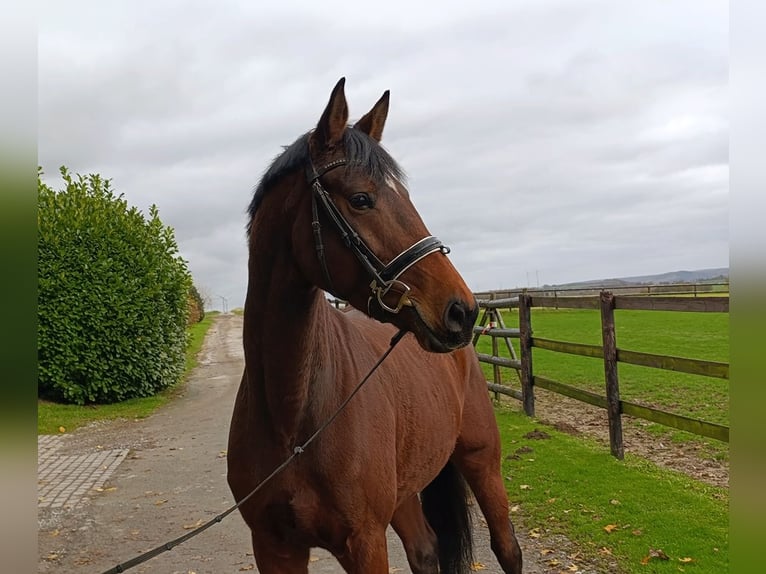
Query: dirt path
[(174, 478), (575, 417)]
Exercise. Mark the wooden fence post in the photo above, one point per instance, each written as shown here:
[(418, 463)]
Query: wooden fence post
[(525, 350), (610, 374), (495, 368)]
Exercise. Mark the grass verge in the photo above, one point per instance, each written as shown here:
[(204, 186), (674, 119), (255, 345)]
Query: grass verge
[(52, 417), (649, 519)]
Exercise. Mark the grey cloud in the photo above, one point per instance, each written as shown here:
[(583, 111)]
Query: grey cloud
[(555, 139)]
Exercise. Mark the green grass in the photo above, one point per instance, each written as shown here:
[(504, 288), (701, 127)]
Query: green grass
[(52, 417), (573, 486), (682, 334)]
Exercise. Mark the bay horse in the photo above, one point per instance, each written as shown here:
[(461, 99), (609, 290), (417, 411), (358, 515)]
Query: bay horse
[(328, 211)]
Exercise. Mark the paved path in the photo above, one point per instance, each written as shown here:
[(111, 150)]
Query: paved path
[(113, 490), (63, 481)]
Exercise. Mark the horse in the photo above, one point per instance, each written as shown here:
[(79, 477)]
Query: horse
[(409, 448)]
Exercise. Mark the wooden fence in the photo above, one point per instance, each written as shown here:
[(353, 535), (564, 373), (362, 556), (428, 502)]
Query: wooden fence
[(606, 302), (691, 289)]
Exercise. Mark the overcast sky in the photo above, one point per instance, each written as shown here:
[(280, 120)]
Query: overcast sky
[(544, 141)]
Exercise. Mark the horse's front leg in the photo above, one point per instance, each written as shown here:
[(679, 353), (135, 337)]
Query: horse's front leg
[(477, 455), (487, 486), (272, 557), (417, 536), (366, 551)]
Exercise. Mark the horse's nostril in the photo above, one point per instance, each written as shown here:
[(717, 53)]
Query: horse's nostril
[(456, 316)]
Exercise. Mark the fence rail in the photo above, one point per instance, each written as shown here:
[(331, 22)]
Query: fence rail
[(651, 290), (606, 302)]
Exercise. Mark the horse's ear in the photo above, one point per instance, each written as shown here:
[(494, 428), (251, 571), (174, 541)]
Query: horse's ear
[(332, 124), (372, 122)]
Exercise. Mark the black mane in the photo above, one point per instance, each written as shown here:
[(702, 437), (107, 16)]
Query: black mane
[(361, 151)]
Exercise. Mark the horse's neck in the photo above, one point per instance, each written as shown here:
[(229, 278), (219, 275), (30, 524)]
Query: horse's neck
[(285, 348)]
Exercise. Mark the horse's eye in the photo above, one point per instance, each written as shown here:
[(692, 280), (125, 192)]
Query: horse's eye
[(360, 201)]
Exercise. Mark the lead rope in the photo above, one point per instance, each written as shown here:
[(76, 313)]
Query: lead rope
[(140, 559)]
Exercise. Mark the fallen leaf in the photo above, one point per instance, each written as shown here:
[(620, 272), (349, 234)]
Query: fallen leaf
[(222, 454), (659, 553), (478, 566), (313, 558), (573, 568), (686, 560), (515, 508), (248, 567), (525, 487), (610, 528), (615, 502), (55, 532), (52, 556), (534, 533), (394, 569), (160, 502), (546, 551), (553, 562), (604, 551), (195, 525), (62, 429), (637, 532), (551, 500)]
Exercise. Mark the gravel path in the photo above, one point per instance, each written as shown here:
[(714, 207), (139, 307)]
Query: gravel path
[(174, 478)]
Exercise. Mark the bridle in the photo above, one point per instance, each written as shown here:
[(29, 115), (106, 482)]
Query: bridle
[(384, 276)]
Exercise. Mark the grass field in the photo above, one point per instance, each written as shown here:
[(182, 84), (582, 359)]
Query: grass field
[(682, 334), (52, 417), (625, 509)]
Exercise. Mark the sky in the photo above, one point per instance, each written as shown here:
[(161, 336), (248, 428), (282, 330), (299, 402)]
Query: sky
[(544, 141)]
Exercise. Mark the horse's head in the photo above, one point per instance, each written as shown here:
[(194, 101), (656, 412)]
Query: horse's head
[(357, 235)]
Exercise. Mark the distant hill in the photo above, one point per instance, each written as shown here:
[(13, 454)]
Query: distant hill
[(697, 276)]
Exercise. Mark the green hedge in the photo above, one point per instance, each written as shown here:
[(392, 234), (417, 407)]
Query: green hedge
[(112, 299)]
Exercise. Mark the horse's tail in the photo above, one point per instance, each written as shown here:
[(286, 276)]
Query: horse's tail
[(445, 505)]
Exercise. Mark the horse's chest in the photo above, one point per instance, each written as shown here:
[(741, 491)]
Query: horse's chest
[(298, 514)]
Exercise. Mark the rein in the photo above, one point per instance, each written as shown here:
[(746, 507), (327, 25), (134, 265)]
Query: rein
[(298, 450), (384, 276)]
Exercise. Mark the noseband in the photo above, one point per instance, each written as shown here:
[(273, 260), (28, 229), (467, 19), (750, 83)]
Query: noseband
[(384, 276)]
